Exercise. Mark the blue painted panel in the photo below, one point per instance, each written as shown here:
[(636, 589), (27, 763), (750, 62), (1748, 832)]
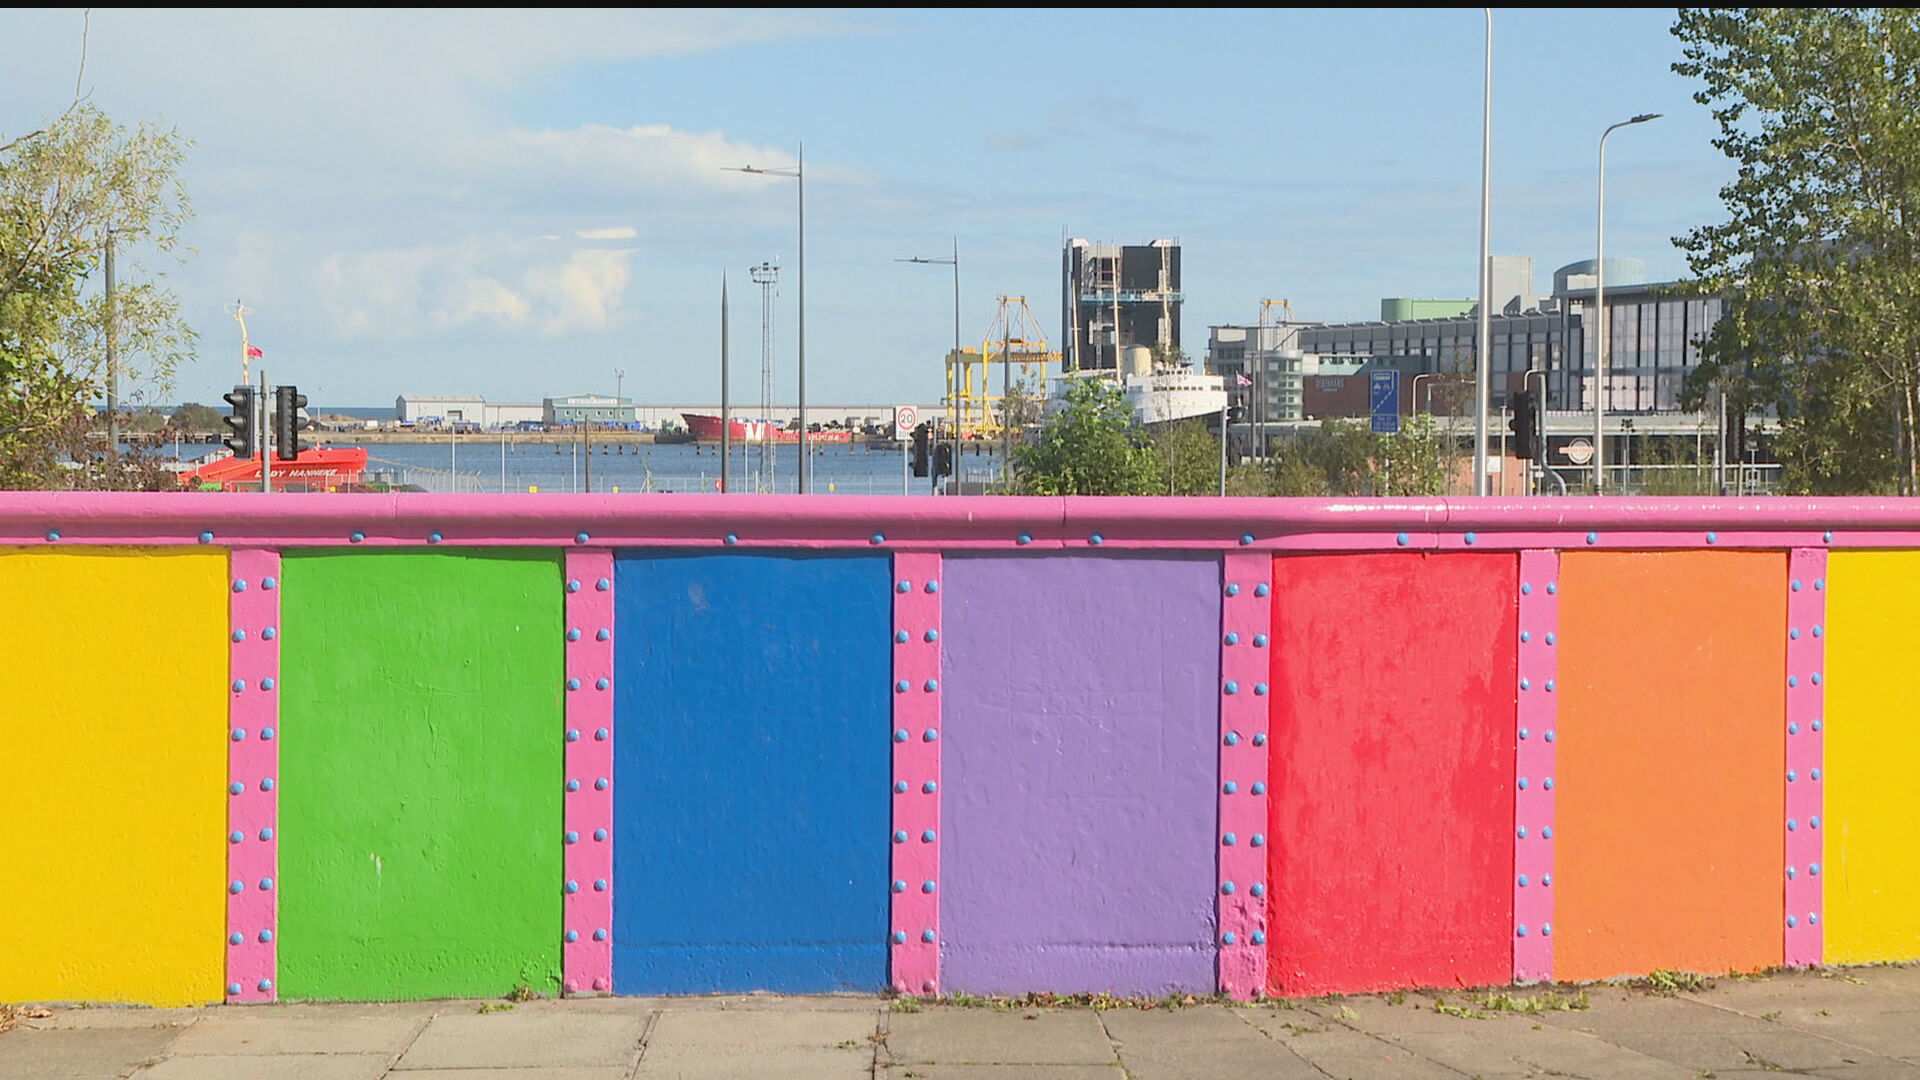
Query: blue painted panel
[(751, 772)]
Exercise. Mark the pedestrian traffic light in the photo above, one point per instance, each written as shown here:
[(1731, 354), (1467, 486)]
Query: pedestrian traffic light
[(1525, 424), (289, 420), (244, 438), (920, 436), (942, 460)]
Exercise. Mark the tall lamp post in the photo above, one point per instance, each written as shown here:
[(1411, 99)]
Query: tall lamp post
[(954, 262), (1483, 335), (1600, 313), (798, 173)]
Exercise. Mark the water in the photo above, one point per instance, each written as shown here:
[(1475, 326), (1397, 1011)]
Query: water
[(638, 467)]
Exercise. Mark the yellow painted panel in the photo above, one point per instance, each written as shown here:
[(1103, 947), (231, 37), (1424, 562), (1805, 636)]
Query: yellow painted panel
[(1872, 824), (113, 707)]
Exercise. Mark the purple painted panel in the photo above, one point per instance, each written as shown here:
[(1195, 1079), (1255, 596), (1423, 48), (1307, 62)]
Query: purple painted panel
[(1078, 774)]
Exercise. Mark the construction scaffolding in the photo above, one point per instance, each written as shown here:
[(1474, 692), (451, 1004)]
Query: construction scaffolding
[(1014, 340)]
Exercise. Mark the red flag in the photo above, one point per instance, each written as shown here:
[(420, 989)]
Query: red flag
[(254, 351)]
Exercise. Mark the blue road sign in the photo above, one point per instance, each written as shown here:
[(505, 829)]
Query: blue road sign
[(1383, 397)]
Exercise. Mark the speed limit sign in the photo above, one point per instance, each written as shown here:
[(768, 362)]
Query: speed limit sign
[(905, 419)]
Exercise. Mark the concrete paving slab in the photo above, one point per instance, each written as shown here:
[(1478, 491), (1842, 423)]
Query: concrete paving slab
[(1552, 1051), (788, 1063), (960, 1036), (525, 1040), (762, 1028), (96, 1019), (1345, 1054), (1778, 1048), (619, 1073), (1417, 1013), (276, 1067), (1159, 1027), (1616, 1012), (1002, 1072), (1202, 1043), (347, 1030), (80, 1055)]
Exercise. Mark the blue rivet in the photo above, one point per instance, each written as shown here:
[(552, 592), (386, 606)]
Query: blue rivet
[(927, 886), (1233, 738), (1794, 585), (599, 834), (899, 886), (900, 735), (1546, 929), (1523, 733), (1593, 538), (1549, 686), (573, 887), (927, 837), (601, 684), (899, 937), (599, 884), (1261, 589), (877, 539), (239, 685), (1553, 588), (1233, 589), (903, 586), (1793, 633), (1258, 889), (1401, 539), (266, 884), (572, 837), (1522, 782), (932, 586), (1245, 539), (1259, 738), (1793, 729), (1813, 916), (573, 586), (1024, 539), (1547, 783), (600, 734), (1819, 584), (931, 635), (602, 585), (927, 936), (1096, 540), (433, 537), (1526, 589), (206, 538), (269, 633), (1260, 689), (233, 988), (573, 684), (1546, 832), (899, 637), (573, 785), (1791, 873), (602, 634), (1815, 677), (357, 537), (1546, 879), (1226, 888), (1227, 938), (267, 784), (1229, 839), (239, 635), (235, 939), (573, 735), (236, 788), (1793, 680), (1259, 840), (899, 787), (929, 735), (1259, 937), (237, 888), (1813, 822), (240, 586), (730, 539), (1470, 538), (236, 836), (1817, 629), (1713, 538), (1525, 637), (901, 687), (1259, 641), (1230, 787), (1792, 825), (1815, 774), (1550, 638), (929, 788), (1522, 831), (1792, 776), (1520, 931), (1258, 788), (1549, 736), (899, 837), (53, 535), (239, 734), (1523, 881), (1232, 687), (572, 936), (599, 935), (266, 684), (1233, 637), (600, 784), (580, 538), (1526, 684), (1792, 922), (931, 685), (573, 635), (266, 834)]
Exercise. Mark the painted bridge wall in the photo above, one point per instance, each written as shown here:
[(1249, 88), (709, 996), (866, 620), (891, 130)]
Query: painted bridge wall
[(386, 747)]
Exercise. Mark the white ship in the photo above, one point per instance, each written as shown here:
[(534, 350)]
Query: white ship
[(1158, 396)]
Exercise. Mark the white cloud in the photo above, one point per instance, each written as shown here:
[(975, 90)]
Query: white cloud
[(500, 286), (617, 232)]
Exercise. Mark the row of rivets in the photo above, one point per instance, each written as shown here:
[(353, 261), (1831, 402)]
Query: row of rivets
[(1805, 703), (587, 952), (1246, 619), (1533, 796), (914, 910), (252, 764)]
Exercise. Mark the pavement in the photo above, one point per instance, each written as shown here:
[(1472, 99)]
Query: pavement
[(1853, 1023)]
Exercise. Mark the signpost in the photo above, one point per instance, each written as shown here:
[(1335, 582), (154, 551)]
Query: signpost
[(905, 419), (1383, 399)]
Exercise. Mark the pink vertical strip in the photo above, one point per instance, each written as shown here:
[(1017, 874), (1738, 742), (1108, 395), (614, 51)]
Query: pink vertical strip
[(253, 771), (914, 940), (1806, 716), (586, 951), (1246, 619), (1533, 795)]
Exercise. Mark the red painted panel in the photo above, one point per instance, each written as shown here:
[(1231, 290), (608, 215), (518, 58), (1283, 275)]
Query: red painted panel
[(1391, 848)]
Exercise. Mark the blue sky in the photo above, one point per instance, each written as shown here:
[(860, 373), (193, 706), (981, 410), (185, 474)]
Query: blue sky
[(517, 203)]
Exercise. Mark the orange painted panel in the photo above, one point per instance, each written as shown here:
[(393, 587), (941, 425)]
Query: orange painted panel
[(1672, 759)]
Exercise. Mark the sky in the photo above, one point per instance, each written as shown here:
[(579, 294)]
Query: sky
[(521, 203)]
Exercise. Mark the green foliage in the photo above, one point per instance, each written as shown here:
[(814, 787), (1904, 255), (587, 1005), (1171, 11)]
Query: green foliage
[(64, 189), (1818, 258), (1345, 458), (194, 416), (1091, 446), (1187, 456)]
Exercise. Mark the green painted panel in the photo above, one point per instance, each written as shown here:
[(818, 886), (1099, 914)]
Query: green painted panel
[(420, 774)]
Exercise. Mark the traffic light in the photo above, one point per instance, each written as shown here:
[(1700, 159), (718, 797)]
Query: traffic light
[(244, 440), (289, 420), (1525, 424), (943, 460), (920, 436)]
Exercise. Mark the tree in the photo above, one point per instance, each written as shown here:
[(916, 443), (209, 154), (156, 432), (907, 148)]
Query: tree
[(1186, 459), (64, 190), (194, 416), (1819, 256), (1345, 458), (1091, 446)]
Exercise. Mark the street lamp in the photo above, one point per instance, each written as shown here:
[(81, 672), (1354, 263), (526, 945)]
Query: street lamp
[(1483, 334), (954, 262), (1600, 313), (799, 173)]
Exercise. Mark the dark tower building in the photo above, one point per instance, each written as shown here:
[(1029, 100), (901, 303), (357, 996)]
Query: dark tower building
[(1136, 288)]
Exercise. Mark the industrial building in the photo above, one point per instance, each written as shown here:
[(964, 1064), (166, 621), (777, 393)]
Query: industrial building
[(462, 410), (587, 409), (1114, 296)]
